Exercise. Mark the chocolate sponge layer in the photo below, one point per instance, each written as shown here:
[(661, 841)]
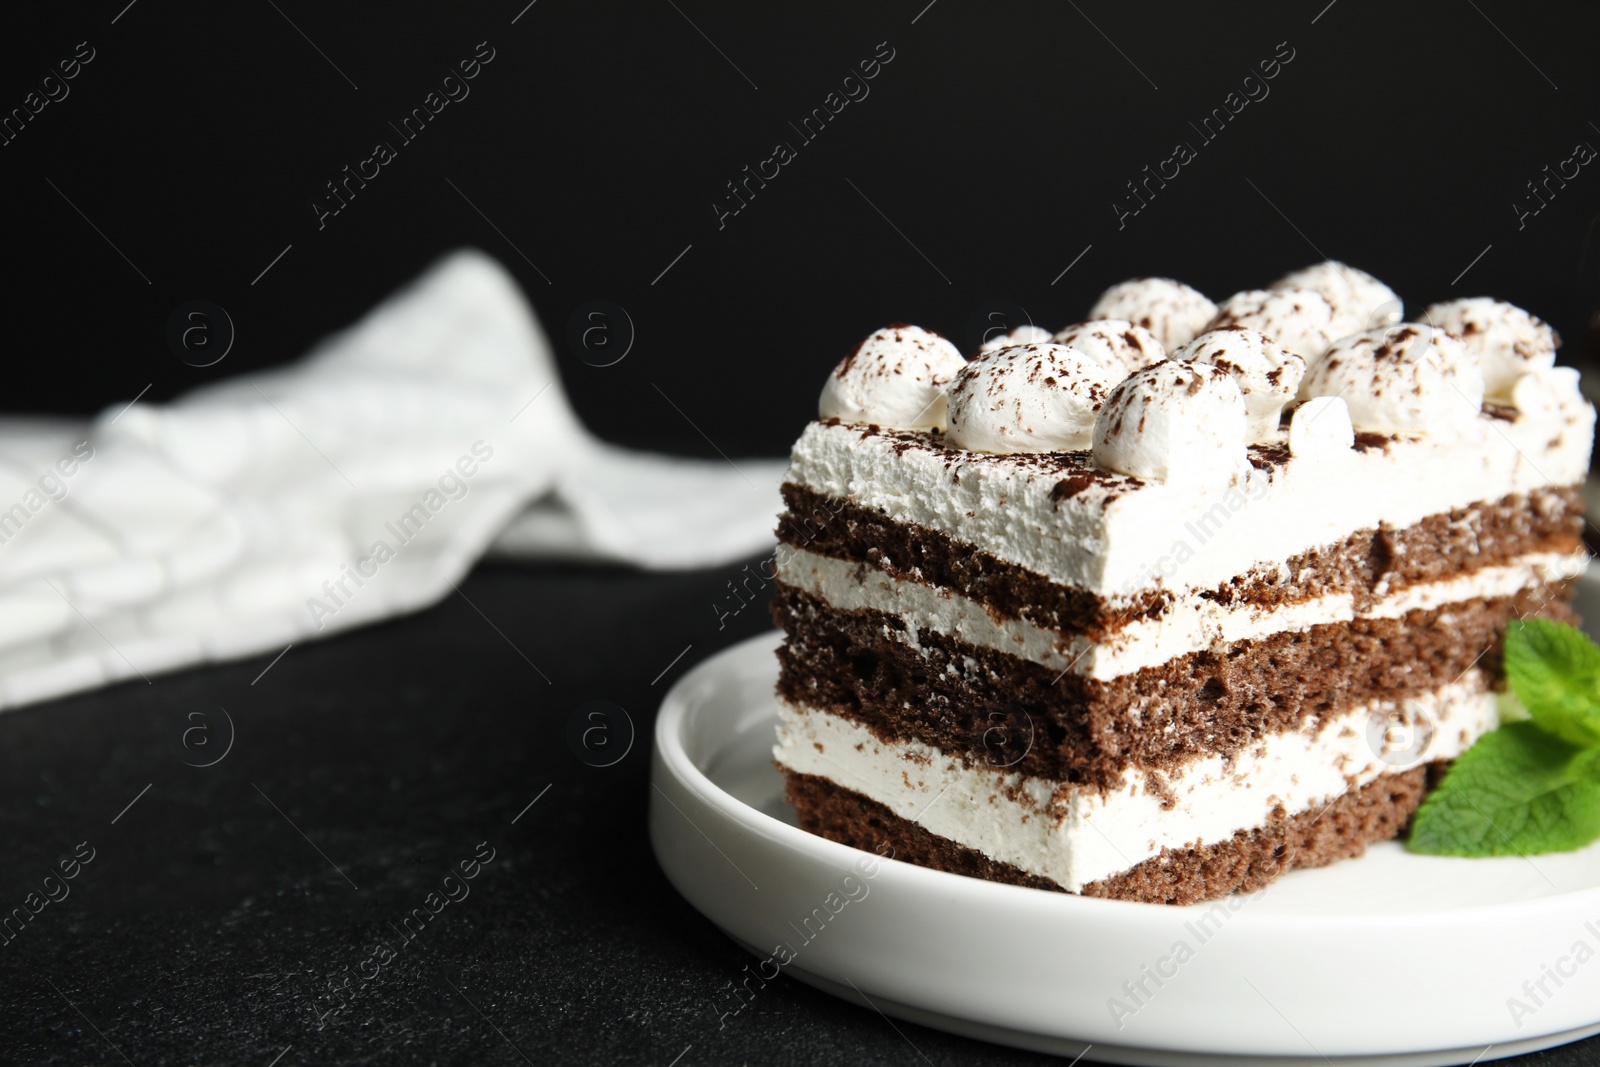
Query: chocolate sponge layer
[(1440, 546), (996, 709), (1245, 862)]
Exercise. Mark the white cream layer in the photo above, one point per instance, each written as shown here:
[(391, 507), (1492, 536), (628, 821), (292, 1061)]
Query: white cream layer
[(1076, 835), (1189, 624), (1118, 537)]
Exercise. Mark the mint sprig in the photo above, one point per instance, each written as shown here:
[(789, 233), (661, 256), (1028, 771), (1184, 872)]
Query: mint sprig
[(1555, 672), (1532, 786)]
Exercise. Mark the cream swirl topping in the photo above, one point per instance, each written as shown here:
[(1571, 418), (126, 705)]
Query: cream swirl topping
[(1174, 422), (1507, 341), (1022, 335), (1028, 398), (1300, 320), (1406, 378), (1120, 345), (1171, 310), (895, 378), (1356, 297), (1267, 374)]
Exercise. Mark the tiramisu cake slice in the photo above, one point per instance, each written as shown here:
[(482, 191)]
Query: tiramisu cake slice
[(1086, 614)]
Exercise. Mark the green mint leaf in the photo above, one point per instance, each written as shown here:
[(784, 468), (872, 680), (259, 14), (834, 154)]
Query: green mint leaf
[(1518, 791), (1587, 764), (1555, 671)]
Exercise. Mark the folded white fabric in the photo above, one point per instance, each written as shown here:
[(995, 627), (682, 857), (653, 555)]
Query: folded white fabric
[(355, 485)]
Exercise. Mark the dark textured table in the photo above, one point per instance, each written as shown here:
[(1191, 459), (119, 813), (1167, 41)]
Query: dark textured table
[(256, 908)]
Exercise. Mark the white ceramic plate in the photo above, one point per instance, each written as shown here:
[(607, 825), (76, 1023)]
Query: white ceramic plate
[(1389, 959)]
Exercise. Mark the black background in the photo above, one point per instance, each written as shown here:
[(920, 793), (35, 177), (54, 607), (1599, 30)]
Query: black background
[(985, 160), (996, 141)]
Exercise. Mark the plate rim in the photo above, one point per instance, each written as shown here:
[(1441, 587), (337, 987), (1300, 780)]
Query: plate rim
[(732, 687), (670, 750)]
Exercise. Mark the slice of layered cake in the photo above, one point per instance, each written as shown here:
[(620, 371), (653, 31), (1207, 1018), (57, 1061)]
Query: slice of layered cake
[(1088, 615)]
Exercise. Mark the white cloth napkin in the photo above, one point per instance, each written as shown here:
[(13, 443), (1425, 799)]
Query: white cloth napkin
[(355, 485)]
